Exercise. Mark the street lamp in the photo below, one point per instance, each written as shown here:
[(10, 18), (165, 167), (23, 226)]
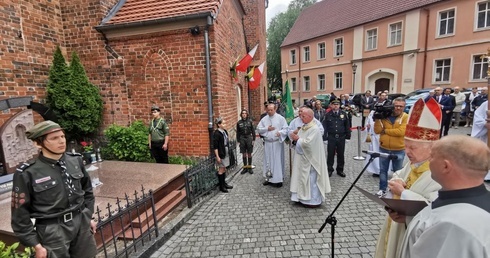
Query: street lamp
[(354, 68)]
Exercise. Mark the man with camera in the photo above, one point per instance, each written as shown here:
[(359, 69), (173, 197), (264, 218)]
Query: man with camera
[(390, 123)]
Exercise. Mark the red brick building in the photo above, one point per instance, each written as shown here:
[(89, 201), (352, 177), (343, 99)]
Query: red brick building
[(141, 53)]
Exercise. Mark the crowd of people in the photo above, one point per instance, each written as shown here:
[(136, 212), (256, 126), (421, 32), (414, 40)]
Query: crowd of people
[(431, 174), (440, 172)]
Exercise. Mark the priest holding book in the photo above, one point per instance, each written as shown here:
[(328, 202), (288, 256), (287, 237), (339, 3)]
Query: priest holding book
[(413, 181)]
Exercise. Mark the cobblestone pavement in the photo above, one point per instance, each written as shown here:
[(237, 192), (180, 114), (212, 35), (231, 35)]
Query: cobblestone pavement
[(260, 221)]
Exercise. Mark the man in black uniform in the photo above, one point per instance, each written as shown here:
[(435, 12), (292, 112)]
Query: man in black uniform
[(336, 124), (55, 189), (245, 135)]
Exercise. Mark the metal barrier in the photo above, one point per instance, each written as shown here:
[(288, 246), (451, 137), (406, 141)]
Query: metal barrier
[(201, 178), (122, 230)]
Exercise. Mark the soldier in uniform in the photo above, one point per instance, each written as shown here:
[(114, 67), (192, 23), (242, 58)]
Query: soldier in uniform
[(245, 134), (158, 136), (56, 191), (337, 128)]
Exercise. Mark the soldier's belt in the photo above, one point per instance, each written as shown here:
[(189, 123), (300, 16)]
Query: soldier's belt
[(64, 218), (336, 135)]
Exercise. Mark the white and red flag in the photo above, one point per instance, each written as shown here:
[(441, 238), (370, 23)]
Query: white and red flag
[(243, 64), (254, 76)]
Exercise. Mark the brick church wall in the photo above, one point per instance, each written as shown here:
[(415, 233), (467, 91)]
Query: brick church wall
[(167, 68), (29, 33), (255, 29)]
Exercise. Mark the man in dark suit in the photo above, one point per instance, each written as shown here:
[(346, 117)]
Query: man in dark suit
[(367, 102), (447, 104)]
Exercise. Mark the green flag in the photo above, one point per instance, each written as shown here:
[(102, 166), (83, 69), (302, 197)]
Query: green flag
[(288, 103)]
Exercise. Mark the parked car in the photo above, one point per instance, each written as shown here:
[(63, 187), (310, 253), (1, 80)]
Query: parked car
[(410, 101), (392, 96), (324, 98), (417, 92)]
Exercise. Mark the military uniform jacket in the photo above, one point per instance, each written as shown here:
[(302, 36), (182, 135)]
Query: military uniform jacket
[(158, 130), (39, 191), (244, 129), (336, 124)]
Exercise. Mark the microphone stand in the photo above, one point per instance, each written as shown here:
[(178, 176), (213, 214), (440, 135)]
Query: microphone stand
[(331, 218)]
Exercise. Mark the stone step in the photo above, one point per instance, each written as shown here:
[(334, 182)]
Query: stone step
[(162, 208)]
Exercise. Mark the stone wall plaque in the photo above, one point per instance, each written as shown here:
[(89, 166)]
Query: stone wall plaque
[(15, 146)]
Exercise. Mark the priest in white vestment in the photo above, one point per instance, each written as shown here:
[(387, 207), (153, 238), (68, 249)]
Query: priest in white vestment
[(413, 182), (310, 181), (273, 127), (456, 224), (479, 130), (294, 126)]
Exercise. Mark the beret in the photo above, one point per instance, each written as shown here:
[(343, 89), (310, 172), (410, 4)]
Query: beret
[(42, 128), (218, 120)]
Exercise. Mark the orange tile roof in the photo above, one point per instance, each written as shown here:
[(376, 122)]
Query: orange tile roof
[(330, 16), (131, 11)]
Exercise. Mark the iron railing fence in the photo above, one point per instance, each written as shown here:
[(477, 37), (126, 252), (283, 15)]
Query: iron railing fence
[(131, 224), (201, 178)]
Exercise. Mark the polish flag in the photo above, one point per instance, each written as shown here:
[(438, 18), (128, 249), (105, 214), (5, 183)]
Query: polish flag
[(243, 64), (254, 77)]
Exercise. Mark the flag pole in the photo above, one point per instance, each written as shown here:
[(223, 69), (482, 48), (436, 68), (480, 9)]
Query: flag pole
[(289, 115)]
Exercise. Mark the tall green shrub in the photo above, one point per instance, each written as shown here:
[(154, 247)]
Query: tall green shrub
[(76, 102), (127, 143), (59, 76)]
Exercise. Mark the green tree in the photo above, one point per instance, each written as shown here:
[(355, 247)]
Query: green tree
[(76, 102), (276, 33), (58, 78)]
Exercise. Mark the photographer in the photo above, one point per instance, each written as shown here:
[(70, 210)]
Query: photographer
[(390, 123)]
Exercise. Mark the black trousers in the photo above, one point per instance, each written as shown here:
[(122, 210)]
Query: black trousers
[(335, 145), (157, 152), (68, 239), (446, 122)]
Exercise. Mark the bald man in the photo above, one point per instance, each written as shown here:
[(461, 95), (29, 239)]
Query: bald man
[(309, 181), (456, 224)]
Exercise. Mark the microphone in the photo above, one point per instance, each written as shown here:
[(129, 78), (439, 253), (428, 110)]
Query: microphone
[(382, 155)]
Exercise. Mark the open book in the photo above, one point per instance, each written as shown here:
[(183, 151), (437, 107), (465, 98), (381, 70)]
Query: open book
[(403, 207)]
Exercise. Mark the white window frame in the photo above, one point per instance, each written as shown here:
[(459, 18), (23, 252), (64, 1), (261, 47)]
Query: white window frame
[(483, 63), (321, 82), (443, 67), (477, 12), (319, 51), (294, 84), (306, 54), (292, 57), (306, 83), (338, 42), (439, 21), (397, 31), (338, 81), (373, 39)]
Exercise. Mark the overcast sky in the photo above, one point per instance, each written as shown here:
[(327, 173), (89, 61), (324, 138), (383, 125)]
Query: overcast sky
[(275, 7)]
